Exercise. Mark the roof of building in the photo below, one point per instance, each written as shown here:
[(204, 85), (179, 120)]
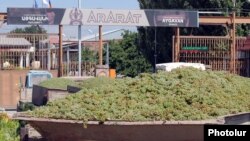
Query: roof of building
[(4, 41)]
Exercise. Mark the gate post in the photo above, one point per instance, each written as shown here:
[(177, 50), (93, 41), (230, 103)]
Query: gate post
[(233, 48), (100, 45), (177, 45), (60, 54)]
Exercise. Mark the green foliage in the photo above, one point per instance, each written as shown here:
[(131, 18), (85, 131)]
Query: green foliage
[(164, 34), (126, 57), (222, 46), (183, 94), (26, 106), (30, 29), (8, 129), (89, 55), (58, 83)]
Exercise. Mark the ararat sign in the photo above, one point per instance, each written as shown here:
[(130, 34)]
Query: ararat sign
[(161, 18), (106, 17), (114, 18)]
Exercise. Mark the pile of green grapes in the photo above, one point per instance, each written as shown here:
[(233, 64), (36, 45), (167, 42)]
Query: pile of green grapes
[(183, 94)]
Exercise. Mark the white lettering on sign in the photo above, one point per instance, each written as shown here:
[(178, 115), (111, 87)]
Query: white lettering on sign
[(113, 17), (34, 18), (170, 20)]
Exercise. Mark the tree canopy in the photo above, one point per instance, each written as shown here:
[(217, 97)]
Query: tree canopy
[(30, 29), (126, 57), (89, 55)]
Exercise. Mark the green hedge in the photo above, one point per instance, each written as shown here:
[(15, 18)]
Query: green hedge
[(9, 129)]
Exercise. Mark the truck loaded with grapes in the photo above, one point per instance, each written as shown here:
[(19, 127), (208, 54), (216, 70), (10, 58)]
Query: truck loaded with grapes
[(183, 94)]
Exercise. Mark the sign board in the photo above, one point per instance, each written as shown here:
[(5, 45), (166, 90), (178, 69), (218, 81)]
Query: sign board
[(34, 16), (199, 48), (75, 16)]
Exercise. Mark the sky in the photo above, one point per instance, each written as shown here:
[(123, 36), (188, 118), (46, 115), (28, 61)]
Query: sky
[(71, 31), (114, 4)]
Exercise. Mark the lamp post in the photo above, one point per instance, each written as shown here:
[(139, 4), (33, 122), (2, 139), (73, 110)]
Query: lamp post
[(79, 43)]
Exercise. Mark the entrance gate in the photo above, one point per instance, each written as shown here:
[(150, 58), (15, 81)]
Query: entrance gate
[(215, 52)]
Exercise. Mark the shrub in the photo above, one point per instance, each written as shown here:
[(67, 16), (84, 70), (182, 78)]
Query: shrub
[(9, 129)]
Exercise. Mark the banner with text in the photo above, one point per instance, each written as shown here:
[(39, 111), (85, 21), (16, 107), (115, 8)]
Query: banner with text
[(35, 16), (159, 18), (164, 18)]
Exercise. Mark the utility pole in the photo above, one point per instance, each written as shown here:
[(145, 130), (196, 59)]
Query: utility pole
[(233, 47), (79, 44), (60, 54), (107, 54), (100, 45), (155, 51), (234, 43)]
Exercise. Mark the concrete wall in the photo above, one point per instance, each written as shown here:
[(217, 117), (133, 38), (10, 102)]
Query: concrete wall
[(9, 86)]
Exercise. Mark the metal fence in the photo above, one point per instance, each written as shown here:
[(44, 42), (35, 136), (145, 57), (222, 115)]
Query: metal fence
[(71, 69), (215, 52), (23, 57), (12, 59), (42, 54), (70, 64)]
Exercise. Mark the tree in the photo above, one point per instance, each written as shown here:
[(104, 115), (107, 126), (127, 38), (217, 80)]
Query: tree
[(164, 34), (89, 55), (126, 56), (30, 29)]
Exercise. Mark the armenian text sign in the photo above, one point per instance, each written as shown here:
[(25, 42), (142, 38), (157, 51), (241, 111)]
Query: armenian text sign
[(75, 16)]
